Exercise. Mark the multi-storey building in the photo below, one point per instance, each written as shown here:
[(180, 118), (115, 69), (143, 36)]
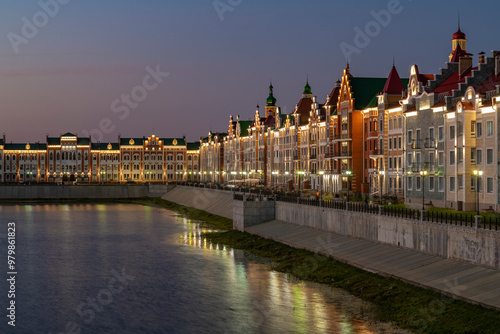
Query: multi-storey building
[(73, 158), (441, 129), (388, 155)]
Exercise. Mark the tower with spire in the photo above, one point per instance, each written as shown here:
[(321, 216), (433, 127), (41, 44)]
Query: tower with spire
[(271, 109), (459, 41)]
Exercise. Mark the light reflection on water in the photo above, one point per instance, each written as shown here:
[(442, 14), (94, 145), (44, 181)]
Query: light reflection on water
[(183, 283)]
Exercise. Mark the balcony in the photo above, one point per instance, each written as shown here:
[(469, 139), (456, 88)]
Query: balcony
[(342, 153), (430, 143), (415, 144)]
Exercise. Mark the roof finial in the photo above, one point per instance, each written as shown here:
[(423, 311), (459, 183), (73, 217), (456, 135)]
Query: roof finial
[(393, 61), (458, 20)]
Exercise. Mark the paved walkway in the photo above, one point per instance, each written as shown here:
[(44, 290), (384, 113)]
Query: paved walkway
[(473, 283)]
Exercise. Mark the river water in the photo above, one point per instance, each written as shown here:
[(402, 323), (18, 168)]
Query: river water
[(123, 268)]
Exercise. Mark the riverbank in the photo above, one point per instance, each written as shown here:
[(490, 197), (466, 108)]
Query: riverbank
[(405, 305)]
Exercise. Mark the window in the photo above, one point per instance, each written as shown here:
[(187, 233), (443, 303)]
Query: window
[(473, 129), (410, 182), (432, 158), (441, 183), (441, 158), (410, 136), (460, 155), (489, 185), (489, 156), (473, 155), (409, 159), (440, 133), (395, 143), (460, 181), (479, 129), (418, 185), (431, 183), (399, 139), (390, 144), (460, 129), (452, 158), (489, 128), (390, 163), (452, 132), (479, 157), (473, 182), (452, 183)]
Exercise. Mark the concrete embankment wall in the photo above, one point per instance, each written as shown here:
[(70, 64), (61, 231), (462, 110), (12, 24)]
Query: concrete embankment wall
[(251, 213), (26, 192), (449, 241), (213, 201)]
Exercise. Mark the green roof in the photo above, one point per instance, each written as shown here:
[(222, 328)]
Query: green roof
[(307, 88), (271, 100), (22, 147), (135, 141), (83, 141), (54, 141), (170, 141), (244, 126), (365, 89), (193, 146)]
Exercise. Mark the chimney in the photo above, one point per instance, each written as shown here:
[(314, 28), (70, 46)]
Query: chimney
[(481, 58), (464, 64)]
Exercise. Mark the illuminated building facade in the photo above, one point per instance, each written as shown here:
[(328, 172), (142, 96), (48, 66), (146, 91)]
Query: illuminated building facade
[(70, 158)]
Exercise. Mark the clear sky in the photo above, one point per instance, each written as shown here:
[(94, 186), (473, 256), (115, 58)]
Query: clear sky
[(72, 71)]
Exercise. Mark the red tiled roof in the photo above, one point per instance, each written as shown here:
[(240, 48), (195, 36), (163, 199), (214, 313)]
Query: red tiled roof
[(425, 78), (439, 104), (457, 54), (467, 106), (393, 85), (304, 106), (270, 121), (452, 82), (414, 108), (489, 84), (334, 95)]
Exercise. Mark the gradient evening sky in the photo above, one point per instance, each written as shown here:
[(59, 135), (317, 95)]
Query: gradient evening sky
[(90, 53)]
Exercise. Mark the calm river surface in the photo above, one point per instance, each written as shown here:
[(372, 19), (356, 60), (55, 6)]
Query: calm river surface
[(116, 268)]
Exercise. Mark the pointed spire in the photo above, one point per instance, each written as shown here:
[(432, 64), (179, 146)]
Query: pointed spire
[(307, 88), (393, 85), (271, 100)]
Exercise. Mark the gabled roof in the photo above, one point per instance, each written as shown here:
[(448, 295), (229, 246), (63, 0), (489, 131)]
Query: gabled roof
[(393, 85), (269, 121), (334, 95), (68, 134), (304, 106), (365, 89), (457, 54)]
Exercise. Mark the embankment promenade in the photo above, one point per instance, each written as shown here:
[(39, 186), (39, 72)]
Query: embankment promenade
[(458, 261)]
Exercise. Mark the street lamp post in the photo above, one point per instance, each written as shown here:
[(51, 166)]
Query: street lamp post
[(348, 173), (478, 174), (423, 173)]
